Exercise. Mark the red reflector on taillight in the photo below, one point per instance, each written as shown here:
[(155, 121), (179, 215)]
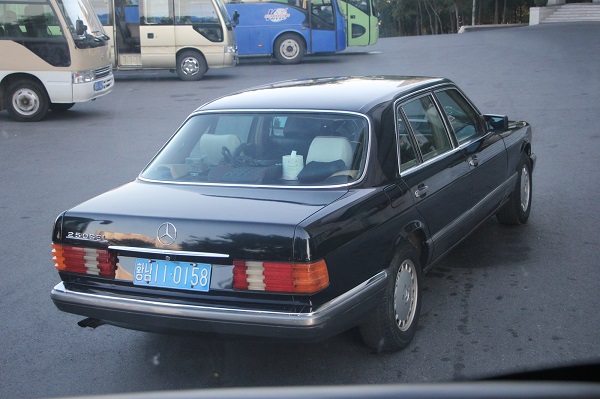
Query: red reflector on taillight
[(99, 262), (300, 278)]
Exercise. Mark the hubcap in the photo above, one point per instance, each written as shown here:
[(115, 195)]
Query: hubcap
[(190, 66), (290, 49), (525, 188), (26, 101), (405, 295)]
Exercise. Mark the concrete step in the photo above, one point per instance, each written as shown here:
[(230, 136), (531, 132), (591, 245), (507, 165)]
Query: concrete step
[(574, 13)]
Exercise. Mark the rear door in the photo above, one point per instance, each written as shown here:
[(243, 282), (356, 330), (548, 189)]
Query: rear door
[(436, 172)]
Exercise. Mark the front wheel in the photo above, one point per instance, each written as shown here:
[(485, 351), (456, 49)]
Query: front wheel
[(289, 49), (393, 323), (191, 65), (26, 101), (518, 207)]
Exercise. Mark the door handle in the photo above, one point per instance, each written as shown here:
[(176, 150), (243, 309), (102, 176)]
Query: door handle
[(150, 35), (474, 161), (421, 191)]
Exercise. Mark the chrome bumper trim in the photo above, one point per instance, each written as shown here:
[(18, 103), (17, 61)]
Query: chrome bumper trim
[(139, 312)]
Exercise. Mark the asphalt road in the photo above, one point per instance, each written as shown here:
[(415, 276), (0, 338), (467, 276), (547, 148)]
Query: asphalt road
[(506, 299)]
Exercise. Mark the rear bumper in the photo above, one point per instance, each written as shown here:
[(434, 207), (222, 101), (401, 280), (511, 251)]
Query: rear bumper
[(329, 319)]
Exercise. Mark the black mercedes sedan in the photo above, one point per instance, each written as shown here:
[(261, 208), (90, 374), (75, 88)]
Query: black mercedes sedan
[(295, 211)]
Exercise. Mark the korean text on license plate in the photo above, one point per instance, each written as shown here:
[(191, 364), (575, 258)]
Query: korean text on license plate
[(167, 274)]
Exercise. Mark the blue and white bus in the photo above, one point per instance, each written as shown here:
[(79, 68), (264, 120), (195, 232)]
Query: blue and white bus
[(288, 29)]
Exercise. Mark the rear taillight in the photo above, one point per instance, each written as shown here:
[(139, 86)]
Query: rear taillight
[(300, 278), (99, 262)]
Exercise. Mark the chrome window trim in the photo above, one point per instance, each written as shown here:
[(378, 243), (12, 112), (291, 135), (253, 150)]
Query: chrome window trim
[(429, 162), (271, 110)]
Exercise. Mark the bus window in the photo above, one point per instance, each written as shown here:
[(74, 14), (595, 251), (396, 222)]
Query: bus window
[(323, 11), (156, 12), (202, 15), (103, 10)]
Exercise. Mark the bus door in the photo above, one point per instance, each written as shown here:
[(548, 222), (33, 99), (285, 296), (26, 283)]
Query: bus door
[(322, 23), (362, 23), (157, 34)]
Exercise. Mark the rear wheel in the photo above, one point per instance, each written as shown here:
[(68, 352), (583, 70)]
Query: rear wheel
[(518, 207), (26, 101), (393, 324), (289, 49), (191, 65)]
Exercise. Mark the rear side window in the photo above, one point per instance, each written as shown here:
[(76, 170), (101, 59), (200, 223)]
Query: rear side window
[(462, 117), (429, 131), (406, 148)]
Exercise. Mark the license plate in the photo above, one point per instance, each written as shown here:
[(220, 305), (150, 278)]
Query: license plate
[(166, 274), (98, 86)]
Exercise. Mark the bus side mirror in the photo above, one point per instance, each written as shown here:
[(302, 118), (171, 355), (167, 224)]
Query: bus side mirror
[(236, 18), (80, 28)]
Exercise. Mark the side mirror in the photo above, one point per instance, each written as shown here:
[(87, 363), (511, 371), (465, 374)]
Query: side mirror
[(80, 28), (496, 123), (236, 18)]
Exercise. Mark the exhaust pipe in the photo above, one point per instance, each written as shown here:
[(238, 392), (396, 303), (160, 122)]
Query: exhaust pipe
[(89, 322)]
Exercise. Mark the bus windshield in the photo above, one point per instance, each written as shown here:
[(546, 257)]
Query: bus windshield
[(83, 23)]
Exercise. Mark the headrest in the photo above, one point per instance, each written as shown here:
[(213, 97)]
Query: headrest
[(328, 149), (10, 17), (33, 10), (211, 146)]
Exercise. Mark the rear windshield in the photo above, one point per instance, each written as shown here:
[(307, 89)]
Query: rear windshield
[(273, 149)]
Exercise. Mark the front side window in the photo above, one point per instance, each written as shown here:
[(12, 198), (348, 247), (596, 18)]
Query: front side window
[(462, 117), (428, 128), (273, 149)]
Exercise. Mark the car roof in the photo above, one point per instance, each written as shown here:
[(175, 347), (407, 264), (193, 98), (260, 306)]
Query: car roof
[(343, 93)]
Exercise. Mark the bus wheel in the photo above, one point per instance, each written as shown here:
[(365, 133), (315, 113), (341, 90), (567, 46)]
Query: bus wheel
[(61, 107), (26, 101), (289, 49), (191, 66)]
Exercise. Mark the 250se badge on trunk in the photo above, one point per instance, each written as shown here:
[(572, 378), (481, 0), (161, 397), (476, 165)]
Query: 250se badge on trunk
[(296, 211)]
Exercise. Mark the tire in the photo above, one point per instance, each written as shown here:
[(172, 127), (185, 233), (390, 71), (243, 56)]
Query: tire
[(26, 101), (516, 210), (191, 66), (289, 49), (392, 325), (61, 107)]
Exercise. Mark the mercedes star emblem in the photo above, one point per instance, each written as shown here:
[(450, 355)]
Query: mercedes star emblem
[(166, 233)]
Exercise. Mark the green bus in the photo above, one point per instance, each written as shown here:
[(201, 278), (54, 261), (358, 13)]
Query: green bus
[(362, 19), (362, 22)]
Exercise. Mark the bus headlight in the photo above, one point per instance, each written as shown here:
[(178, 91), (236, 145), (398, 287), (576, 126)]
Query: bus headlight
[(230, 50), (84, 76)]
